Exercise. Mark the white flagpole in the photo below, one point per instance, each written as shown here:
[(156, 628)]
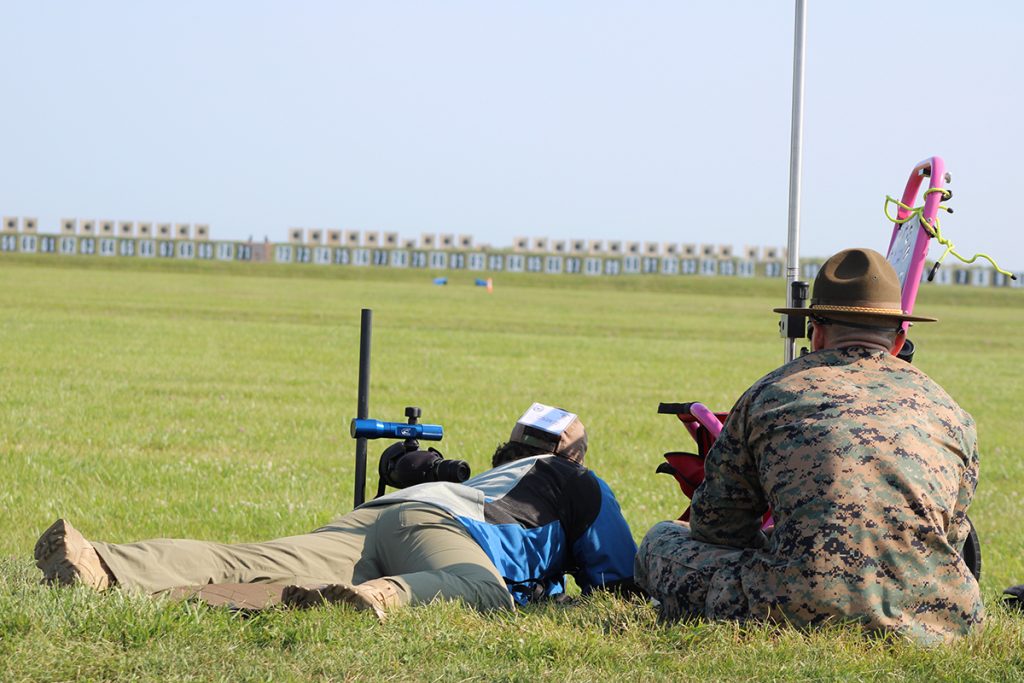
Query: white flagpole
[(795, 158)]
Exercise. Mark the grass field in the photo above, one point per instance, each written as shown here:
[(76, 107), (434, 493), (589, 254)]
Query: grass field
[(212, 401)]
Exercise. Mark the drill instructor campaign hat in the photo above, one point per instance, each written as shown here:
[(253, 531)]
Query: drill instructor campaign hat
[(553, 429), (856, 284)]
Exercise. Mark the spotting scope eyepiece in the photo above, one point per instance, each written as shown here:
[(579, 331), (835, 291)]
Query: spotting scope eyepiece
[(378, 429)]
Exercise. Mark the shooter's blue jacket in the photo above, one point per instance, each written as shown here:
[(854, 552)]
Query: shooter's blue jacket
[(539, 518)]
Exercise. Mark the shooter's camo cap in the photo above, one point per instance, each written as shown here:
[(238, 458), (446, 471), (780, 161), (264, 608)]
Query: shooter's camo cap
[(571, 444), (856, 284)]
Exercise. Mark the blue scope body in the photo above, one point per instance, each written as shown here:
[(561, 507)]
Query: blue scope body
[(377, 429)]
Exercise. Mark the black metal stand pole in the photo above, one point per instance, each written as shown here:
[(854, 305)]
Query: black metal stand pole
[(363, 402)]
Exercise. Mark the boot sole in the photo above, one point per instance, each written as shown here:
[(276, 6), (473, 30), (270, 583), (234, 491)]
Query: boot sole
[(304, 597), (59, 554)]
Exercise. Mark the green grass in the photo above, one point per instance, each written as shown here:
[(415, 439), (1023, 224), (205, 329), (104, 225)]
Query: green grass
[(212, 401)]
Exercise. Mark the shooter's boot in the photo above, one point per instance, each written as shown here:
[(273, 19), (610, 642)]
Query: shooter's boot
[(379, 595), (66, 557)]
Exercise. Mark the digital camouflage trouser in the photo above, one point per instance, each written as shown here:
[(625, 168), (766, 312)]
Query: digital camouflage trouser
[(419, 548), (689, 578)]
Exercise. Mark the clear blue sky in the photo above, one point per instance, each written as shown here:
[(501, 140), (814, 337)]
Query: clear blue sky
[(664, 121)]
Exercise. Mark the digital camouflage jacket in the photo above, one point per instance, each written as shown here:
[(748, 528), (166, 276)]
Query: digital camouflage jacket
[(869, 467)]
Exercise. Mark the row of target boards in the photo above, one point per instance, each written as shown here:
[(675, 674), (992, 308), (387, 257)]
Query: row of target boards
[(67, 245)]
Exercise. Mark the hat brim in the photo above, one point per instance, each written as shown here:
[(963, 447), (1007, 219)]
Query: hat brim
[(824, 311)]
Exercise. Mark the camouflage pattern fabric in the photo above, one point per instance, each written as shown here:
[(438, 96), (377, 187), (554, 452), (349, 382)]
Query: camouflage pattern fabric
[(869, 468), (682, 571)]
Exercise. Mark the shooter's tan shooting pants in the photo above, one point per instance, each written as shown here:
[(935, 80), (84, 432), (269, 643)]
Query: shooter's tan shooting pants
[(420, 548)]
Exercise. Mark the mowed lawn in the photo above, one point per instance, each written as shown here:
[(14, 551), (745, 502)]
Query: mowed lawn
[(213, 401)]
